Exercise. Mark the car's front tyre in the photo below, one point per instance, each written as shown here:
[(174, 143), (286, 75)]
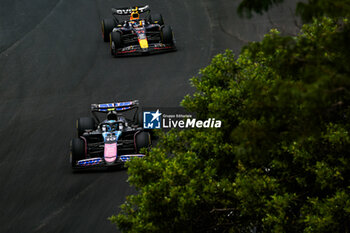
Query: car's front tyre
[(167, 35), (115, 42), (77, 151)]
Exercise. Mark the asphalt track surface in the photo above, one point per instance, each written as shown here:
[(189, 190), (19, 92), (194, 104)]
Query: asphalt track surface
[(54, 64)]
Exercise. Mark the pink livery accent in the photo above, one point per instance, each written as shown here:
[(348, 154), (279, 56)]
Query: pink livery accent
[(110, 152)]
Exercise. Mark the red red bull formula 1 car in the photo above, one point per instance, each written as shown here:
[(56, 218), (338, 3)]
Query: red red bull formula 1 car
[(137, 36), (110, 142)]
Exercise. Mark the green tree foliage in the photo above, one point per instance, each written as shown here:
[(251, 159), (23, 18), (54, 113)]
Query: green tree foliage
[(246, 7), (319, 8), (281, 161), (307, 10)]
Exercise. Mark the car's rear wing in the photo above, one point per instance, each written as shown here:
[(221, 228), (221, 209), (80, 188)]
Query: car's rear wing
[(116, 106), (128, 10)]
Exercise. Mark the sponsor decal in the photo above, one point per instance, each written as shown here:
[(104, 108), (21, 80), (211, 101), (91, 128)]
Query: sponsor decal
[(129, 10), (123, 11), (159, 45), (128, 48)]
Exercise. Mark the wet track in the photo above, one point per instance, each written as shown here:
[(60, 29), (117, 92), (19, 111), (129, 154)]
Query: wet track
[(54, 64)]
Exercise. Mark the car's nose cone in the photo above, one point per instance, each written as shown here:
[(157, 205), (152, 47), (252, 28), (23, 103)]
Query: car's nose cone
[(110, 152)]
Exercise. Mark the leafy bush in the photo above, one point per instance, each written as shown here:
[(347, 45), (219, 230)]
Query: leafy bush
[(280, 162)]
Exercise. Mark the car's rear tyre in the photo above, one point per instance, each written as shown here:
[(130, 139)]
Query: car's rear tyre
[(85, 123), (77, 151), (142, 140), (156, 18), (139, 118), (167, 35), (107, 26), (115, 42)]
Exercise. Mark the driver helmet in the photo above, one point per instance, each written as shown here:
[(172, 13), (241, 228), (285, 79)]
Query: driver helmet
[(112, 115), (106, 128), (135, 14), (133, 24)]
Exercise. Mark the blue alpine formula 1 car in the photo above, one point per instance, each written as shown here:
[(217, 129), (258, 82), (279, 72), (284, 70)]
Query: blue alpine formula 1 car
[(112, 141), (137, 36)]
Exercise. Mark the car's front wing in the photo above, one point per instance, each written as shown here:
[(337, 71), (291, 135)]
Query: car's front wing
[(137, 50), (100, 162)]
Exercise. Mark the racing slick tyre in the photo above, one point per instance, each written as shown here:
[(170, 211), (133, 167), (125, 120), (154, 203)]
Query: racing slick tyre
[(167, 35), (85, 123), (107, 26), (142, 140), (139, 119), (77, 151), (156, 18), (115, 42)]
